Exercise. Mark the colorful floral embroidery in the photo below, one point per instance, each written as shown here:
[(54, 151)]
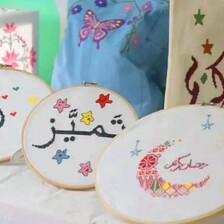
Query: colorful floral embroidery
[(100, 29), (76, 9), (101, 3), (9, 28), (12, 57), (149, 161)]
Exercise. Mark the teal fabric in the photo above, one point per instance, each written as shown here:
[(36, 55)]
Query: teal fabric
[(122, 45)]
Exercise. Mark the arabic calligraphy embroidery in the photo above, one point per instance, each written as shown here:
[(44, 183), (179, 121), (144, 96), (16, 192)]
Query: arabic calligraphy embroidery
[(151, 181), (98, 131), (2, 121), (216, 75), (117, 120), (178, 164), (73, 113)]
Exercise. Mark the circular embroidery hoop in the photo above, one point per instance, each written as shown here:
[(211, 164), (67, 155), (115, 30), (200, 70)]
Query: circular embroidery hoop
[(68, 131), (166, 168), (19, 93)]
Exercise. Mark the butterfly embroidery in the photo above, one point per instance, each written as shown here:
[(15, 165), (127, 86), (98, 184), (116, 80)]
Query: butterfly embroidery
[(99, 29)]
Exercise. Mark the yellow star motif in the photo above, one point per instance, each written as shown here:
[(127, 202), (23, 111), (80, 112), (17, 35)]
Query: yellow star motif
[(87, 117)]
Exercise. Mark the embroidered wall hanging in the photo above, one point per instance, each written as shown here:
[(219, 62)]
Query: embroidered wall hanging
[(68, 131), (195, 73), (158, 172), (19, 39), (19, 93)]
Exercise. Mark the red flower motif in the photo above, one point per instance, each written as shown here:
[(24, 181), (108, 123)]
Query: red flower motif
[(11, 58), (9, 28), (103, 100), (148, 161), (32, 57)]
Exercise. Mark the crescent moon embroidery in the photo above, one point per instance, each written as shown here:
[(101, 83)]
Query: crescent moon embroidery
[(150, 180), (2, 121)]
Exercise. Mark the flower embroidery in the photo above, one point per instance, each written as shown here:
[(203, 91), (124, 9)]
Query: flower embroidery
[(76, 9), (128, 8), (148, 161), (26, 58), (32, 57), (135, 40), (101, 3), (147, 6), (9, 28), (11, 58)]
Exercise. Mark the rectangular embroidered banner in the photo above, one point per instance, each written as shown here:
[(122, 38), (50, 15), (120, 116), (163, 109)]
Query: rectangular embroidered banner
[(19, 37), (196, 55)]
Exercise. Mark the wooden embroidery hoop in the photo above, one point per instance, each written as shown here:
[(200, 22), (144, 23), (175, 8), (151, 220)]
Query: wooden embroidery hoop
[(84, 84), (125, 218), (5, 67)]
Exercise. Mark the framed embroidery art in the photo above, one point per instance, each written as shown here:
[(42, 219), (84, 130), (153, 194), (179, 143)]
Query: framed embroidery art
[(195, 72), (65, 135), (166, 168), (19, 93)]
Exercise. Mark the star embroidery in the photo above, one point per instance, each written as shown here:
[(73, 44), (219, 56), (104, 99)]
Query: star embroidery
[(85, 168), (207, 47), (61, 105), (208, 124), (60, 155), (87, 117), (199, 18), (136, 151), (103, 100)]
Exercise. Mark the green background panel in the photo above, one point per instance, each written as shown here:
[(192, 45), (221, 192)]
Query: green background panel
[(49, 30)]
